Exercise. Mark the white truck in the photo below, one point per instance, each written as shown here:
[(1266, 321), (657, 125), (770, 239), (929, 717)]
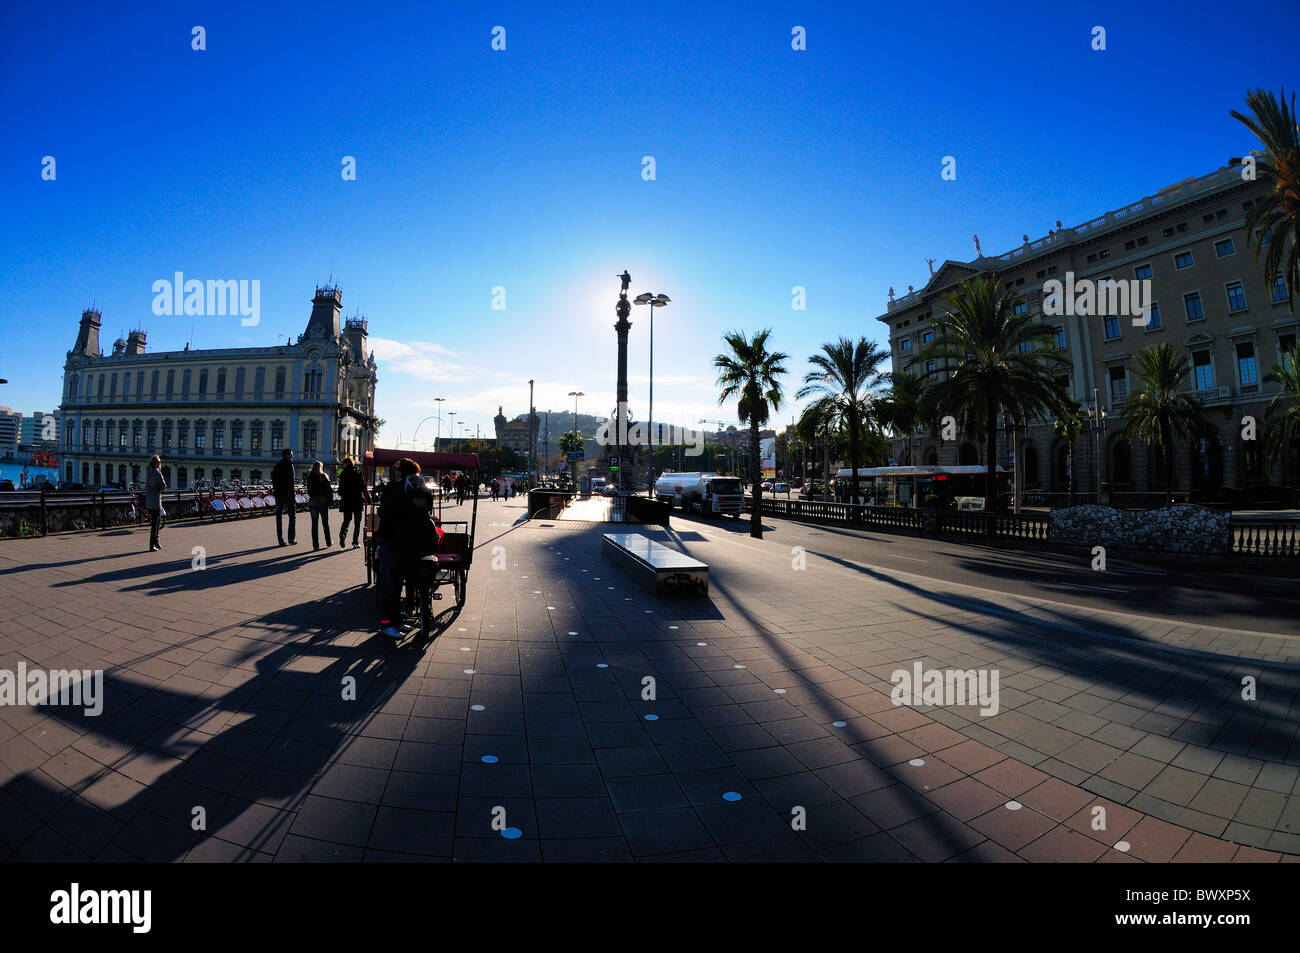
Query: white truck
[(703, 493)]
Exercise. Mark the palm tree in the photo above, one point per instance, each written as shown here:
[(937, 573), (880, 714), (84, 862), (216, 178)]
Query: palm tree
[(1160, 411), (571, 442), (751, 372), (899, 409), (988, 360), (1071, 422), (843, 383), (818, 433), (1276, 215), (1282, 423)]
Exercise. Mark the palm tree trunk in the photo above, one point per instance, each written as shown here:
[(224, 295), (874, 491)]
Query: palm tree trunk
[(853, 457), (756, 517), (991, 429)]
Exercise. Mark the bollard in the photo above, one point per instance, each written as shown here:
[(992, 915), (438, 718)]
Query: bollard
[(103, 512), (45, 522)]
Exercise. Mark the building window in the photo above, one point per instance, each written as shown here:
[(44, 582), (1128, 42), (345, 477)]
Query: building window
[(203, 389), (200, 436), (167, 434), (929, 367), (1192, 304), (259, 382), (218, 435), (182, 477), (1236, 296), (112, 386), (153, 385), (1183, 260), (905, 344), (1112, 327), (1020, 307), (1286, 348), (277, 436), (255, 436), (1223, 248), (279, 381), (139, 385), (1279, 288), (236, 475), (185, 383), (221, 382), (137, 435), (152, 442), (100, 391), (309, 438), (110, 432), (85, 435), (1155, 323), (313, 383), (237, 436), (1059, 334), (239, 383), (182, 435), (1118, 384), (1247, 374), (72, 388), (1142, 272), (1104, 254), (928, 336), (99, 433), (1203, 370), (216, 475), (171, 383), (1092, 259)]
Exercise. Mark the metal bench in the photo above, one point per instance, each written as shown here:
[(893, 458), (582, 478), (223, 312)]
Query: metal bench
[(655, 566)]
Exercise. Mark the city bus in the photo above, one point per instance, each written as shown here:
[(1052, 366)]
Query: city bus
[(960, 487)]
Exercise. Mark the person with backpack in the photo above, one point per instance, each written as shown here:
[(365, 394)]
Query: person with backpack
[(352, 495), (155, 485), (320, 494), (282, 489)]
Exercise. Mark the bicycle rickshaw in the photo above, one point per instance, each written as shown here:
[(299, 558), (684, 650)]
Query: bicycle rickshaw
[(449, 557)]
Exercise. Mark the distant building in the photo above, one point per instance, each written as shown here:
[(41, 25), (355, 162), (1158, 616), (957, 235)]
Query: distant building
[(10, 429), (218, 415), (513, 434)]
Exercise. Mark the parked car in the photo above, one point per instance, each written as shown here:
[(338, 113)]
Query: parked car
[(609, 489)]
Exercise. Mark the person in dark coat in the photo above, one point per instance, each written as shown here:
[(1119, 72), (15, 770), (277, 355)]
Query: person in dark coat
[(462, 483), (352, 493), (406, 531), (282, 487), (320, 495), (155, 485)]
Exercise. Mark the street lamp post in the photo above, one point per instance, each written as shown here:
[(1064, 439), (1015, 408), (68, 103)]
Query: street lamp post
[(532, 439), (437, 417), (451, 425), (1097, 418), (653, 301), (575, 394)]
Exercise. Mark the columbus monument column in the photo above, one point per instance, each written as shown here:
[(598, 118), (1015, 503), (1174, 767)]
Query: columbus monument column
[(622, 309)]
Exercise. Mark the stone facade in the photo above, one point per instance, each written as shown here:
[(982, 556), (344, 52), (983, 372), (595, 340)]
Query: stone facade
[(1171, 529)]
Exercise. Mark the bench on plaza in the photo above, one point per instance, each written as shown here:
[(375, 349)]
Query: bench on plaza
[(654, 565)]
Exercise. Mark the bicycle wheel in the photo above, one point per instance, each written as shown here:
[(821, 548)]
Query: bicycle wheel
[(462, 578)]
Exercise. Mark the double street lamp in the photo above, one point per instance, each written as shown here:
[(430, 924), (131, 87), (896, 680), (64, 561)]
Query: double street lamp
[(653, 301), (1097, 419)]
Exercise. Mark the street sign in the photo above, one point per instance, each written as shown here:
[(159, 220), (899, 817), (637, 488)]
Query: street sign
[(613, 463), (576, 455)]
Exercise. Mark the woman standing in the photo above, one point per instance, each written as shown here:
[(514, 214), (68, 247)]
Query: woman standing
[(320, 494), (352, 493), (155, 484)]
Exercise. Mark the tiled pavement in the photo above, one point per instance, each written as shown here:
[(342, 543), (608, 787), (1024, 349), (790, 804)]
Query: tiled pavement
[(226, 692)]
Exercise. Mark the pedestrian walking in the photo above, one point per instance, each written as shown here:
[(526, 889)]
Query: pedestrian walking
[(462, 484), (155, 484), (352, 494), (320, 494), (282, 488), (495, 491)]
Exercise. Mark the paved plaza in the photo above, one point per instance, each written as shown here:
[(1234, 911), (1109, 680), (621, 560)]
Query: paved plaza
[(567, 715)]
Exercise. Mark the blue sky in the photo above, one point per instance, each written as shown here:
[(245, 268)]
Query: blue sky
[(522, 169)]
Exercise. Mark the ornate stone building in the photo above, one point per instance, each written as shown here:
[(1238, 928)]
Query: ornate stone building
[(1211, 302), (217, 415)]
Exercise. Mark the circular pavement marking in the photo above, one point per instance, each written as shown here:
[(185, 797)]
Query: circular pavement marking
[(469, 671), (672, 627), (464, 648), (1122, 847), (737, 666), (572, 633), (1014, 805), (512, 833), (917, 762), (651, 717), (731, 796), (779, 691), (551, 608), (489, 759), (477, 708), (601, 665), (701, 643), (839, 724)]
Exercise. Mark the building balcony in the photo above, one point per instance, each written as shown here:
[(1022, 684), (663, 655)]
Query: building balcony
[(1211, 395)]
